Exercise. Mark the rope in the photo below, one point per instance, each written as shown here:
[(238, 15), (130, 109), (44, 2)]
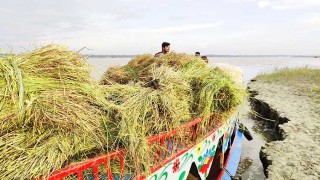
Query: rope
[(260, 116), (226, 170), (229, 174)]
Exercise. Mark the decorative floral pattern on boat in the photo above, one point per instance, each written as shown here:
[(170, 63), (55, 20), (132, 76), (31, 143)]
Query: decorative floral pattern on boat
[(176, 165), (202, 154)]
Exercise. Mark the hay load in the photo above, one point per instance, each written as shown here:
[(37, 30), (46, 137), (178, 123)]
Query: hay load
[(143, 111), (212, 89), (51, 111), (163, 92), (169, 100), (140, 68)]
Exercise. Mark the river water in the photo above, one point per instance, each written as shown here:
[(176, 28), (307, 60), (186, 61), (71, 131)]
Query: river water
[(250, 166)]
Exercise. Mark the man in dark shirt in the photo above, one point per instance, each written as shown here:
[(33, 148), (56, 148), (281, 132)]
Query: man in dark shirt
[(165, 49)]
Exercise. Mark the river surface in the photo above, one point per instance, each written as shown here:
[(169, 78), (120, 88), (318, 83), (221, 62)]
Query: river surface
[(250, 166)]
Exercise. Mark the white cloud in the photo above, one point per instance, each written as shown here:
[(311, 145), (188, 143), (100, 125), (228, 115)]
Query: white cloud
[(190, 27), (140, 26), (280, 4), (173, 29), (263, 4), (238, 1), (289, 4)]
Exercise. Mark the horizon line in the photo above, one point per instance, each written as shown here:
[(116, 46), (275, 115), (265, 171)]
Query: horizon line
[(211, 55), (208, 55)]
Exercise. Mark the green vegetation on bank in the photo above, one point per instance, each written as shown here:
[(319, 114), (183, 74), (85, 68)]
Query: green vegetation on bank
[(289, 75), (305, 79)]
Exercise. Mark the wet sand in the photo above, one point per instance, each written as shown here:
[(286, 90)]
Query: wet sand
[(297, 154)]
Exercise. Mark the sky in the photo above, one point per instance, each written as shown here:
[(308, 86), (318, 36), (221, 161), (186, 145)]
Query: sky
[(130, 27)]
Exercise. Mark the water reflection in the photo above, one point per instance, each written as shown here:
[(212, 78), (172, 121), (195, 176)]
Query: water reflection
[(250, 166)]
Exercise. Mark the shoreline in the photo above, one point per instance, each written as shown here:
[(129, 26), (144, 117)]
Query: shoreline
[(293, 114)]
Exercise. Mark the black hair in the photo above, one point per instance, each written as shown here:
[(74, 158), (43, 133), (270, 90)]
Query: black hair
[(198, 53), (204, 57), (164, 44)]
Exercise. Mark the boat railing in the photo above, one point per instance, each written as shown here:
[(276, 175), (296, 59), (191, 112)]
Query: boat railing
[(165, 147)]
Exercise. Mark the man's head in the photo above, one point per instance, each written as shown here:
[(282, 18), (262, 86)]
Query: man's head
[(165, 47), (204, 58), (197, 54)]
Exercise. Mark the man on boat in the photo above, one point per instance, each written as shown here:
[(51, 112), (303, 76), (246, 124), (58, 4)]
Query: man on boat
[(165, 49), (204, 58)]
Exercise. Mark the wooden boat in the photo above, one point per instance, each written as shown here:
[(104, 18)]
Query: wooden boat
[(212, 152)]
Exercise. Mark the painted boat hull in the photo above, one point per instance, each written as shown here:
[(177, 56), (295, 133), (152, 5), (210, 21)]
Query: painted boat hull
[(233, 159), (198, 152)]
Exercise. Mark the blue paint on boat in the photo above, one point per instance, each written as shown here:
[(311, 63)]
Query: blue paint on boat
[(234, 157)]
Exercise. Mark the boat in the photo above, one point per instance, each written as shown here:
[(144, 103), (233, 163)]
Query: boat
[(204, 148), (188, 152)]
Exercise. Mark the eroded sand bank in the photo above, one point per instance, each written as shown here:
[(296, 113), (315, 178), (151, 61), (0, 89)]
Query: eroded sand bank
[(297, 154)]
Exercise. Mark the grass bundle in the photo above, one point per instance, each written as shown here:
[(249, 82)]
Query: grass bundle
[(120, 74), (25, 76), (212, 89), (168, 90), (176, 60), (137, 67), (169, 102), (218, 94), (144, 111), (141, 62), (140, 67), (180, 60), (51, 111), (27, 155)]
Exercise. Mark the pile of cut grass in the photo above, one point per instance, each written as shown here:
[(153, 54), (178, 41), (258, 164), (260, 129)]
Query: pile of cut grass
[(140, 68), (51, 111), (212, 89), (120, 75), (143, 111), (163, 92), (217, 93)]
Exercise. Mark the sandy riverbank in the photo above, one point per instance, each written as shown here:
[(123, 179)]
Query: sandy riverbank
[(293, 96)]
